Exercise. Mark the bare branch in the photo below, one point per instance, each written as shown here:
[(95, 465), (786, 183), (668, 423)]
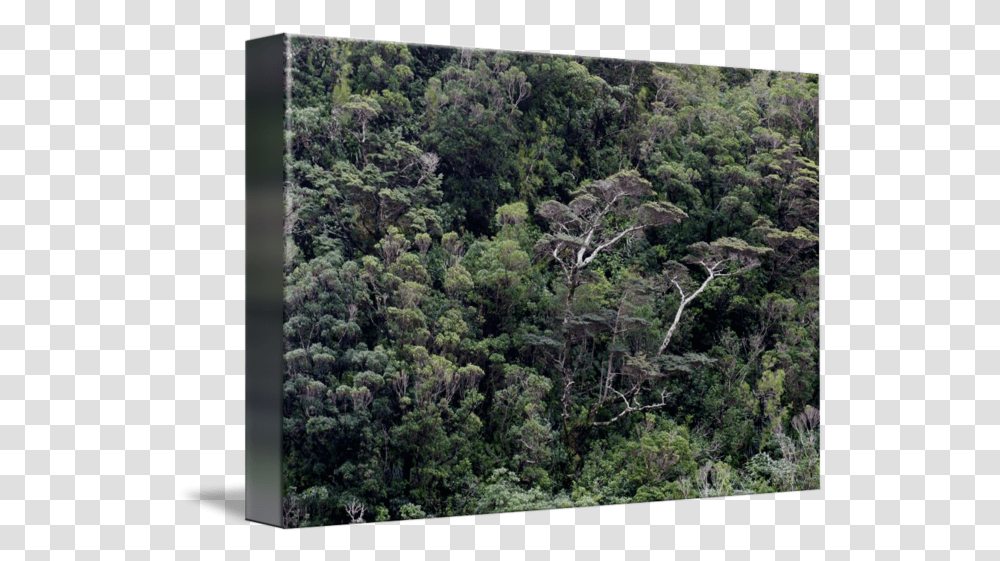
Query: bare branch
[(355, 510), (714, 258), (606, 245), (632, 409), (683, 304)]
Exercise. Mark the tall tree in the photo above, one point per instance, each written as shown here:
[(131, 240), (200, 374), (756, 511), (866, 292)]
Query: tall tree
[(601, 214)]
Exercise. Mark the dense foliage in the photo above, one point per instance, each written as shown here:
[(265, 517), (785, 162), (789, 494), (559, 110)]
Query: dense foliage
[(519, 281)]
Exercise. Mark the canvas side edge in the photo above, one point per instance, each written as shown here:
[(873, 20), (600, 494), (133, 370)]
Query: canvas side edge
[(265, 113)]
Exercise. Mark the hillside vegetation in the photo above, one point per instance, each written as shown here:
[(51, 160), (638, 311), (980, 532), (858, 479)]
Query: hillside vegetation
[(517, 281)]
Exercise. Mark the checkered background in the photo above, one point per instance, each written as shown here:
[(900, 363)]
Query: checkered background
[(122, 277)]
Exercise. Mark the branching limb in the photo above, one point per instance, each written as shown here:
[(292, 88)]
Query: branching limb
[(355, 510), (607, 244), (684, 302), (630, 408), (714, 258)]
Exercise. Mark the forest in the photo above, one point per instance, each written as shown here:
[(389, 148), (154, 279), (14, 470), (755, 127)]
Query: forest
[(518, 281)]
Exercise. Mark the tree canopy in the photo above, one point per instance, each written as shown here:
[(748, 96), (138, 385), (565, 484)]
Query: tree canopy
[(519, 281)]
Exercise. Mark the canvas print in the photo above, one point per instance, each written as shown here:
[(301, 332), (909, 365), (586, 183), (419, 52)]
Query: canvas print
[(517, 281)]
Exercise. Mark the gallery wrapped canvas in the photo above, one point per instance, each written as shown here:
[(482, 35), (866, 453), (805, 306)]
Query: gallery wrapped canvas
[(483, 281)]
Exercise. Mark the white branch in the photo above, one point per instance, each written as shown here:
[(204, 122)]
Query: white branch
[(585, 245), (632, 409), (685, 302), (679, 289), (594, 223), (608, 244)]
